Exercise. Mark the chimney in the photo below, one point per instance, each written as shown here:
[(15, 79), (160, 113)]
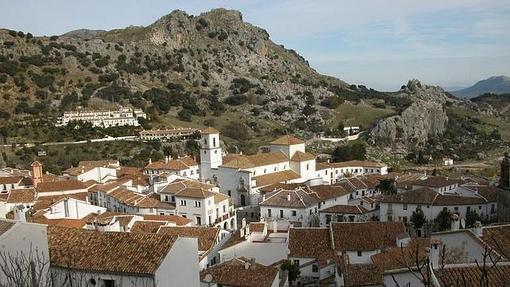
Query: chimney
[(275, 226), (455, 222), (288, 197), (150, 160), (166, 159), (435, 252), (477, 229), (19, 214), (37, 173), (243, 223), (246, 265), (241, 232), (263, 197)]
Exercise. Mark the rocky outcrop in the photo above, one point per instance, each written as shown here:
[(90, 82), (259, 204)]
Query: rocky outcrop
[(425, 117)]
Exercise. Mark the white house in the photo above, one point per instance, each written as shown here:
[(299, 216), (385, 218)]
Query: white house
[(21, 199), (167, 134), (166, 261), (200, 202), (336, 171), (19, 241), (10, 182), (182, 166), (436, 194), (100, 174), (210, 240)]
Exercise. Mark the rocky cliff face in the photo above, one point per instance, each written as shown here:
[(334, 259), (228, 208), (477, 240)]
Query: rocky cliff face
[(425, 117)]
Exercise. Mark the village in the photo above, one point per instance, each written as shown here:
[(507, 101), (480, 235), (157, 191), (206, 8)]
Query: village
[(275, 218)]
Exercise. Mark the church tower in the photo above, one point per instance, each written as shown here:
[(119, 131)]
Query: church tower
[(504, 182), (210, 153)]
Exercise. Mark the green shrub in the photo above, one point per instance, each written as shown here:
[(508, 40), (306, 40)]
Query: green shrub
[(43, 81)]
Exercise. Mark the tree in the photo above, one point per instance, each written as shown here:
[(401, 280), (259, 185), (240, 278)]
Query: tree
[(418, 219), (355, 151), (292, 269), (387, 186), (472, 217), (443, 220)]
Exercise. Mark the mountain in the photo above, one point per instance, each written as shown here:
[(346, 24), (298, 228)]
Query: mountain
[(213, 69), (495, 85)]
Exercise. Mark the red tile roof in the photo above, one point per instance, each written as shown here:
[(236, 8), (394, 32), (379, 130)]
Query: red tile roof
[(174, 164), (345, 209), (189, 188), (26, 195), (5, 225), (117, 252), (470, 275), (234, 273), (10, 179), (251, 161), (206, 235), (60, 186), (366, 236), (296, 198), (311, 243), (178, 220), (275, 177)]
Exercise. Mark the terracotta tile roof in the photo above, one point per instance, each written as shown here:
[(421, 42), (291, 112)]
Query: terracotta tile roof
[(75, 171), (3, 197), (138, 179), (129, 170), (174, 164), (326, 192), (257, 226), (60, 186), (251, 161), (296, 198), (47, 201), (302, 156), (147, 226), (110, 185), (210, 130), (436, 181), (275, 177), (429, 197), (117, 252), (322, 165), (490, 193), (280, 185), (26, 195), (287, 140), (10, 179), (178, 220), (311, 243), (189, 188), (498, 238), (63, 222), (5, 225), (206, 235), (398, 257), (345, 209), (366, 236), (357, 275), (152, 200), (219, 197), (103, 218), (357, 163), (470, 275), (234, 273)]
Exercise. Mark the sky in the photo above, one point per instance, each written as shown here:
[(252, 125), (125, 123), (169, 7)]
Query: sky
[(378, 43)]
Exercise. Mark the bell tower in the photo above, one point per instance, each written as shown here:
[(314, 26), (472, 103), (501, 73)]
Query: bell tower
[(210, 153), (37, 173), (504, 181)]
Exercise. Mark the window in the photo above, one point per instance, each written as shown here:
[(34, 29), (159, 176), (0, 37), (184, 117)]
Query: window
[(360, 253), (224, 208), (166, 197), (214, 142), (281, 213), (307, 166), (328, 218), (265, 170), (294, 213), (198, 204), (199, 220), (183, 202), (296, 262), (173, 198), (405, 206), (315, 268), (108, 283), (269, 213)]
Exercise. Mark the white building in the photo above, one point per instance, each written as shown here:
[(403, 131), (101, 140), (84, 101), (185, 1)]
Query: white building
[(241, 176), (10, 182), (168, 134), (336, 171), (75, 255), (100, 174), (20, 241), (200, 202), (19, 199), (104, 119), (435, 194), (182, 166)]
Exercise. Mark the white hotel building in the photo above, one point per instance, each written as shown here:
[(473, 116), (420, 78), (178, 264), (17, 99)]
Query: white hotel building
[(121, 117)]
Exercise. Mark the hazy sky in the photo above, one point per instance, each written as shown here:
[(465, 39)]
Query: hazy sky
[(378, 43)]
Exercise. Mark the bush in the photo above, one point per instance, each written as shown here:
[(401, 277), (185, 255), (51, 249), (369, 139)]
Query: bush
[(355, 151), (53, 38), (43, 81), (236, 100), (9, 67), (101, 62), (3, 78), (185, 115), (331, 102), (308, 110), (236, 130), (108, 78)]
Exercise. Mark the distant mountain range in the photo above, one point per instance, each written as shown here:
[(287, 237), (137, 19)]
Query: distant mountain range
[(496, 85)]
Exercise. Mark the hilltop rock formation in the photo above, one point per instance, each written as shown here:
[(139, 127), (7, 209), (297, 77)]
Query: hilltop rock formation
[(425, 117)]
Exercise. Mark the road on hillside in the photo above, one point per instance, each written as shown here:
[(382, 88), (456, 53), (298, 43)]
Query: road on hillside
[(106, 139)]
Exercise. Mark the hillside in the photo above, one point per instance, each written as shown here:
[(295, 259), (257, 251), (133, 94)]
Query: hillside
[(184, 70), (213, 69), (494, 85)]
